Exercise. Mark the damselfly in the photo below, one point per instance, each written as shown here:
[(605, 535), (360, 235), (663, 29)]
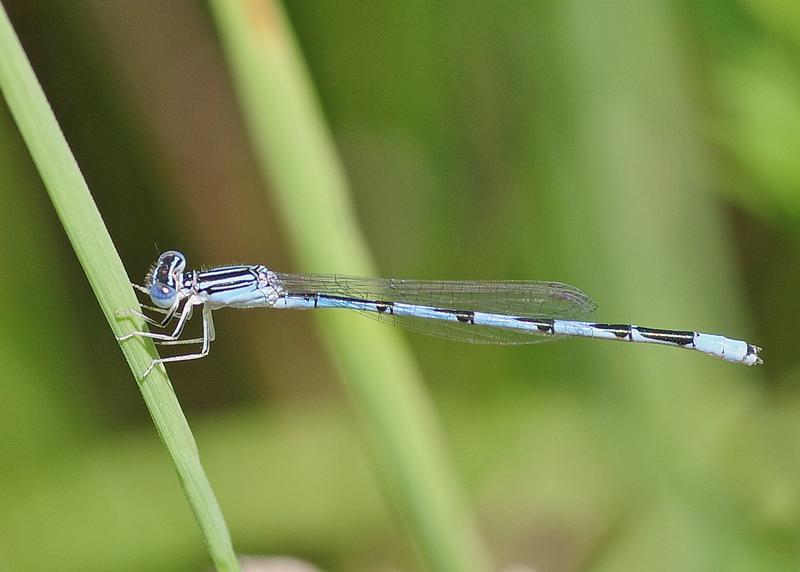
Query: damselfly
[(484, 312)]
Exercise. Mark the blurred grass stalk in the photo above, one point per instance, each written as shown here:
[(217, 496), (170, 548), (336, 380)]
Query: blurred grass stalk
[(107, 277), (296, 155)]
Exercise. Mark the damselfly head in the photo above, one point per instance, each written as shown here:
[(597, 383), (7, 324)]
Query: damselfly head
[(162, 295), (165, 277)]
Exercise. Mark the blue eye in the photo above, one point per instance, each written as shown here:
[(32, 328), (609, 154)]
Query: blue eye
[(162, 295), (173, 260)]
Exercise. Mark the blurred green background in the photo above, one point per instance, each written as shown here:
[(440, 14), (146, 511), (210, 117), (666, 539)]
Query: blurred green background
[(646, 152)]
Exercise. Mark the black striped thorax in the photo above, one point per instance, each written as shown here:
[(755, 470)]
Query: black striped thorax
[(227, 278)]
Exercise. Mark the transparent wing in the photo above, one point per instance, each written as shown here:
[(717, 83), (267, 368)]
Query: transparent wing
[(527, 299)]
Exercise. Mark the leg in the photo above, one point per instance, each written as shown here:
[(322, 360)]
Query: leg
[(179, 342), (184, 317), (211, 336), (168, 314), (145, 317), (208, 328)]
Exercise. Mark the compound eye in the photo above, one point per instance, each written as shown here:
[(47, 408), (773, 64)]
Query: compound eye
[(173, 260), (168, 268), (162, 295)]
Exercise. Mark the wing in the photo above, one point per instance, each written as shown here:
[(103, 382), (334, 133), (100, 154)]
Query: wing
[(525, 299)]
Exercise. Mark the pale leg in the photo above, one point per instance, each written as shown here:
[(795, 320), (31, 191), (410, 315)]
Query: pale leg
[(208, 329)]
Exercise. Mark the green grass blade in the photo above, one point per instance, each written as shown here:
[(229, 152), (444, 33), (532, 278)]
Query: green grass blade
[(296, 154), (108, 279)]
